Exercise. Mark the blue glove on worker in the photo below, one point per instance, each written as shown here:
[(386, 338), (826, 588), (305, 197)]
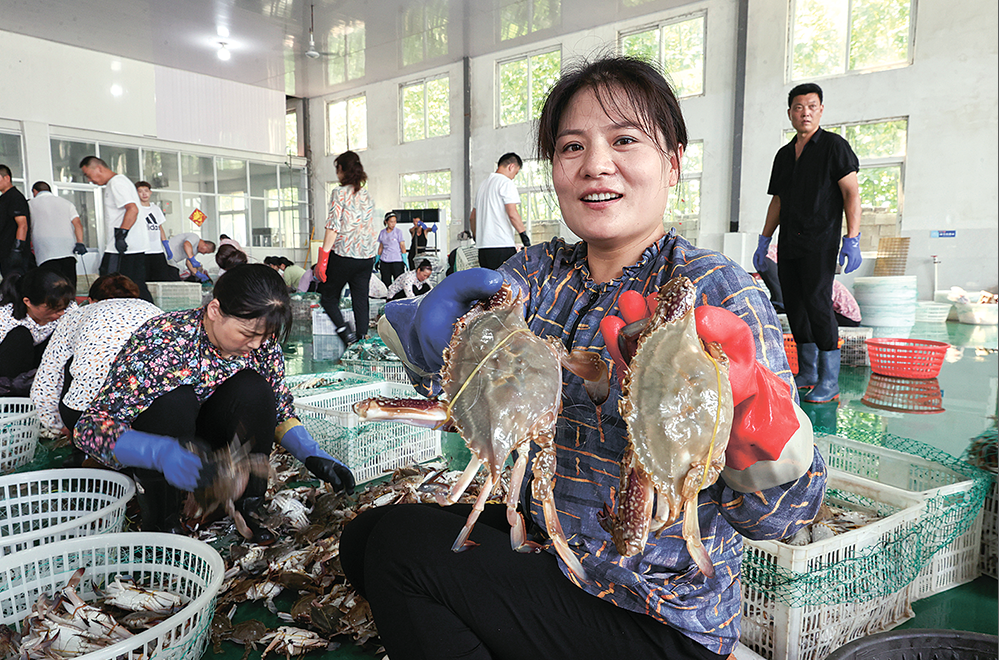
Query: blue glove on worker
[(850, 253), (120, 244), (194, 262), (181, 468), (425, 325), (419, 223), (760, 256), (166, 250), (80, 249), (201, 276), (302, 446)]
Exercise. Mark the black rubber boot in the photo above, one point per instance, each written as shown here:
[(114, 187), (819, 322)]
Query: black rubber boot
[(827, 389), (248, 506), (808, 372)]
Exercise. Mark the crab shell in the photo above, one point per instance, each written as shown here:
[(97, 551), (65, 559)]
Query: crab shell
[(677, 404), (503, 382)]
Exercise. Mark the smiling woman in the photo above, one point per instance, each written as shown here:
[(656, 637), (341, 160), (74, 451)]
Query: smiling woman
[(189, 383)]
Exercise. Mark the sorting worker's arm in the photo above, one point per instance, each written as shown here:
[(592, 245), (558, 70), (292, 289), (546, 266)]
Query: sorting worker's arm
[(471, 223), (850, 189)]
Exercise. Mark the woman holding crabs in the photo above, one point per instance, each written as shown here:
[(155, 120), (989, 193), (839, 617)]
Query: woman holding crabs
[(614, 134)]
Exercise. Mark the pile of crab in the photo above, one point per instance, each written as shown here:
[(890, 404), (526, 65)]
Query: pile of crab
[(299, 579), (65, 626)]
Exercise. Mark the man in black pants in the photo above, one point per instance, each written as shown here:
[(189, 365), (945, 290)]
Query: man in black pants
[(813, 182), (15, 251)]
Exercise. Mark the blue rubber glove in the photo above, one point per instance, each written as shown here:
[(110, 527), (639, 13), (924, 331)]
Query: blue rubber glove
[(201, 276), (194, 262), (166, 250), (378, 258), (760, 256), (850, 253), (80, 249), (161, 453), (302, 446), (425, 324)]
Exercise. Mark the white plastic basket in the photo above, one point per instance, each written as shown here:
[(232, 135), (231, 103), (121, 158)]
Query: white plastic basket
[(778, 631), (174, 563), (19, 426), (322, 324), (173, 296), (372, 448), (990, 533), (53, 505), (390, 370), (328, 381), (853, 346), (932, 312), (977, 313), (953, 565)]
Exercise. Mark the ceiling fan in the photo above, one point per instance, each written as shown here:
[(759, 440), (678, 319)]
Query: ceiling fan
[(312, 53)]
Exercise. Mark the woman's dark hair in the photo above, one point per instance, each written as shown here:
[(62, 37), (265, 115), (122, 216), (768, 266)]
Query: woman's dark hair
[(114, 285), (648, 101), (229, 256), (256, 291), (353, 171), (424, 265), (39, 285)]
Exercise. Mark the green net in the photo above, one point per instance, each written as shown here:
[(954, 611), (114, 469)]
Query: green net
[(895, 560)]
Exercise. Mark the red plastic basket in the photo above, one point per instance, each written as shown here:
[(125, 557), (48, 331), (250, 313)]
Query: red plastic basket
[(908, 395), (792, 352), (906, 358)]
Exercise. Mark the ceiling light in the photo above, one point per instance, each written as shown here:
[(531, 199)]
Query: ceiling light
[(116, 90), (223, 32), (224, 53)]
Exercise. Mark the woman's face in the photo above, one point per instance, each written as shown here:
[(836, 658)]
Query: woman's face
[(42, 314), (423, 273), (390, 223), (612, 180), (233, 336)]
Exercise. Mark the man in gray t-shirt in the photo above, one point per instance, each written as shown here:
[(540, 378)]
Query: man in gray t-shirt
[(184, 250)]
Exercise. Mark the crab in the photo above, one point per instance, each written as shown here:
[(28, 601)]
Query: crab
[(503, 390), (676, 401), (233, 467)]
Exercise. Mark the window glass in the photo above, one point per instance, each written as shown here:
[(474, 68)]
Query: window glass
[(85, 202), (524, 84), (678, 45), (161, 168), (291, 132), (521, 17), (170, 203), (197, 173), (438, 108), (121, 160), (66, 157), (232, 217), (263, 179), (209, 229), (10, 155), (683, 209), (231, 176)]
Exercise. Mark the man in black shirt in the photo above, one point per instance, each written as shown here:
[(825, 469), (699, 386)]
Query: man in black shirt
[(15, 253), (813, 181)]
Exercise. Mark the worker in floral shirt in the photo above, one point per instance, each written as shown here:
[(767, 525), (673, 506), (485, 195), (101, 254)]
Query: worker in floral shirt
[(207, 376), (614, 135)]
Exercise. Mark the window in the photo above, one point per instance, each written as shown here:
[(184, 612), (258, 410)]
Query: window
[(426, 109), (10, 155), (524, 84), (347, 125), (683, 211), (424, 31), (832, 37), (66, 157), (345, 60), (881, 148), (427, 190), (522, 17), (291, 132), (538, 205), (678, 45)]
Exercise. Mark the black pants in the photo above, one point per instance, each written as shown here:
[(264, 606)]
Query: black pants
[(158, 270), (355, 273), (806, 284), (65, 266), (489, 601), (132, 266), (772, 281), (243, 407), (391, 270), (494, 257), (18, 353)]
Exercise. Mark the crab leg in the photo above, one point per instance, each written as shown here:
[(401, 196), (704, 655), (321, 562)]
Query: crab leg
[(543, 490), (692, 534), (518, 528), (462, 543)]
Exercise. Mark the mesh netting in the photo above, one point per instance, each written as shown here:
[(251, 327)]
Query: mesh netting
[(888, 566)]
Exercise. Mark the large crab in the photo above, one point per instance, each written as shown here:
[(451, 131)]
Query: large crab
[(233, 465), (677, 404), (503, 389)]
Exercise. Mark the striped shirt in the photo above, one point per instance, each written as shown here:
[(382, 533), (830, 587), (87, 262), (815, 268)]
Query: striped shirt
[(352, 216), (663, 582)]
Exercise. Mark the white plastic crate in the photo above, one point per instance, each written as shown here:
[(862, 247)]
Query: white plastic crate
[(322, 324), (174, 563), (990, 533), (369, 449), (19, 426), (173, 296), (932, 312), (327, 348), (320, 383), (53, 505), (853, 346), (390, 370), (953, 565), (811, 631)]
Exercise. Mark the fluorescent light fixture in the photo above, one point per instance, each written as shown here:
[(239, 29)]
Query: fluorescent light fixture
[(223, 31), (224, 53)]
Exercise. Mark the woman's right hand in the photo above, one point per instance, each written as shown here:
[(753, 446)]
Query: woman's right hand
[(324, 258), (181, 468)]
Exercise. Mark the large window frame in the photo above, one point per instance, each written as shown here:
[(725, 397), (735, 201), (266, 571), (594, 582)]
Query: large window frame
[(537, 87), (429, 125), (423, 190), (808, 36), (355, 124), (684, 83)]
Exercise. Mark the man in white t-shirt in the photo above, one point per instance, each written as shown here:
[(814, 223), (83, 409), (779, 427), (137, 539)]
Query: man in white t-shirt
[(157, 268), (125, 252), (185, 249), (495, 214), (57, 233)]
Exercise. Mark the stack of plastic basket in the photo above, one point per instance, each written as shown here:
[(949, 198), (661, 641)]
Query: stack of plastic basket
[(369, 449), (170, 562), (19, 427), (52, 505), (173, 296), (887, 304)]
